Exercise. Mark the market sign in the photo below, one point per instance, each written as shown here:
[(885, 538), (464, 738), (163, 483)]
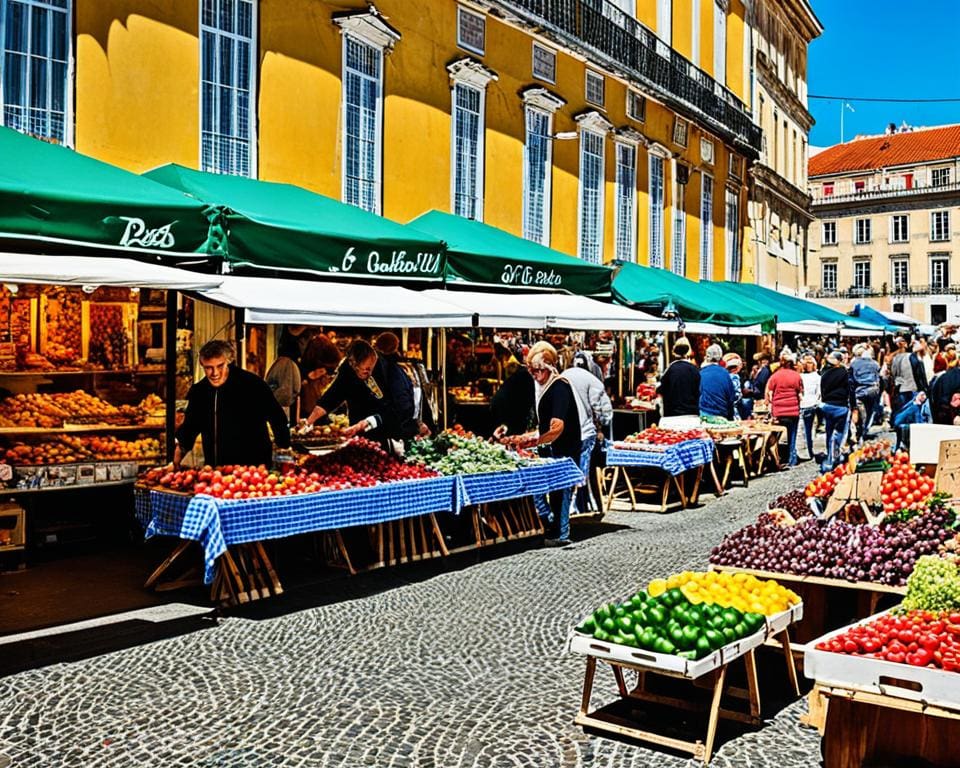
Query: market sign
[(282, 227), (482, 256), (51, 193)]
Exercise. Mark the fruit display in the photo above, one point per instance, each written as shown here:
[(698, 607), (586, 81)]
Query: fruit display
[(152, 403), (50, 411), (108, 347), (794, 502), (919, 638), (646, 392), (742, 591), (72, 448), (468, 395), (454, 452), (323, 434), (657, 439), (671, 624), (934, 585), (363, 463), (838, 549), (62, 325)]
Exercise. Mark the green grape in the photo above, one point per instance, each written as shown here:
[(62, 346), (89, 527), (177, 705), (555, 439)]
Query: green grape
[(934, 585)]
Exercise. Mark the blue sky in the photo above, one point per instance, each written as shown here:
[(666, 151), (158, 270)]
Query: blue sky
[(883, 49)]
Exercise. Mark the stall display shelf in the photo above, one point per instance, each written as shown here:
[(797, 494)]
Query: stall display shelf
[(141, 371), (819, 580), (80, 428), (877, 676), (74, 487)]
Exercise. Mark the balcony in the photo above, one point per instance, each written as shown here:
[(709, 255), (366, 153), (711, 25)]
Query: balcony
[(602, 30), (931, 289), (869, 195)]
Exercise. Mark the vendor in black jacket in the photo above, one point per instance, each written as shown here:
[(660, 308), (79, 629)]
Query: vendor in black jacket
[(362, 382), (230, 409)]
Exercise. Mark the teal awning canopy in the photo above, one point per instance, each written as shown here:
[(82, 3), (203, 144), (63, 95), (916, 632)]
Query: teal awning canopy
[(482, 256), (53, 194), (657, 290), (791, 309), (287, 228)]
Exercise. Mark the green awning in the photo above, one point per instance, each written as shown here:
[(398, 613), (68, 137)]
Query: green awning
[(479, 255), (53, 194), (791, 309), (287, 228), (655, 290)]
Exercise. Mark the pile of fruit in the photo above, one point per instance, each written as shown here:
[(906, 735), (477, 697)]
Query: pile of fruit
[(71, 448), (657, 439), (671, 624), (918, 638), (323, 434), (742, 591), (456, 452), (108, 337), (646, 392), (794, 502), (152, 403), (837, 549), (52, 410), (362, 463), (62, 325), (934, 585)]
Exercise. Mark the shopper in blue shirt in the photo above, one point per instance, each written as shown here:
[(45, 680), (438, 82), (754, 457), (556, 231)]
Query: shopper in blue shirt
[(717, 395)]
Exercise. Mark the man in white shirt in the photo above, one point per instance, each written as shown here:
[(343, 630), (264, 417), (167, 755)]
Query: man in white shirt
[(595, 408)]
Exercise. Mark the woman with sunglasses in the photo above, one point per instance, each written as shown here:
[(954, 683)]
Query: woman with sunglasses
[(558, 435)]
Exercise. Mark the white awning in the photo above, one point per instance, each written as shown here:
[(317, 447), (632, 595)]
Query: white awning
[(99, 270), (309, 302), (549, 310), (709, 329)]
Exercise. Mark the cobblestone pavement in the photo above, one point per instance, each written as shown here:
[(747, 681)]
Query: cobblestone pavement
[(462, 667)]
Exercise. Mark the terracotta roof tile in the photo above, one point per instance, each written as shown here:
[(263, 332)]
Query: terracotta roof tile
[(885, 151)]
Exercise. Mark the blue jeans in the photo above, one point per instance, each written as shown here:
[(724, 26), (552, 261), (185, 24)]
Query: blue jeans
[(808, 416), (836, 423), (867, 407), (555, 514), (791, 423), (583, 492)]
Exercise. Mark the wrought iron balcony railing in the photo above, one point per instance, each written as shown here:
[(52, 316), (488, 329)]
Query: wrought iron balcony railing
[(931, 289), (601, 28)]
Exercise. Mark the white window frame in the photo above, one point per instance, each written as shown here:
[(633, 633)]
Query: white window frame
[(940, 177), (706, 226), (897, 236), (862, 231), (720, 41), (541, 102), (678, 250), (366, 28), (633, 100), (824, 240), (657, 241), (940, 233), (598, 81), (461, 12), (467, 73), (826, 266), (590, 249), (681, 132), (218, 84), (859, 267), (707, 155), (625, 196), (533, 63), (731, 226), (69, 70), (937, 259), (896, 263)]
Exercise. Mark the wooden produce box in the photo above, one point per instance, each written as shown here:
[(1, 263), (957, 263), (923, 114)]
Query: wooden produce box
[(877, 676)]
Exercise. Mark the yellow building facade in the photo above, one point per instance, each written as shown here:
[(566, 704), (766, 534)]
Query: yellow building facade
[(667, 80)]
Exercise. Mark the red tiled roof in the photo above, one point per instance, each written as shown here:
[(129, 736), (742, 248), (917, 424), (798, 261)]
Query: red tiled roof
[(884, 151)]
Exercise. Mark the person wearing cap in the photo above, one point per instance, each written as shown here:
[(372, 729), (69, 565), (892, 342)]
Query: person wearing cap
[(680, 386), (734, 365), (783, 395), (716, 390), (757, 385), (835, 394), (865, 372), (810, 399)]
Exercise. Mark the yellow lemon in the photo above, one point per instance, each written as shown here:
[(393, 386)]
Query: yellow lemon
[(657, 587)]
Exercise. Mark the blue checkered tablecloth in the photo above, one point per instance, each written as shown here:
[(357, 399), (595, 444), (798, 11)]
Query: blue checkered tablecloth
[(675, 459), (218, 523), (540, 477)]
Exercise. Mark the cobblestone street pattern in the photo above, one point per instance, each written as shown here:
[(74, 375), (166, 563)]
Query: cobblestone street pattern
[(463, 668)]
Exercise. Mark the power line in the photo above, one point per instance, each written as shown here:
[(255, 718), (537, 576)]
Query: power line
[(892, 101)]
